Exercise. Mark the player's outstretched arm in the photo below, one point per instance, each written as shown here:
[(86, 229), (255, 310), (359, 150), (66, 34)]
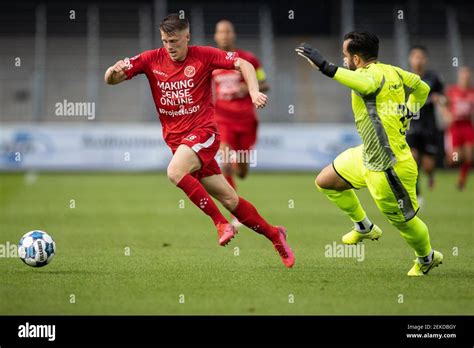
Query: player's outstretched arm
[(263, 85), (354, 80), (364, 84), (315, 58), (116, 73), (419, 89), (250, 76), (418, 97)]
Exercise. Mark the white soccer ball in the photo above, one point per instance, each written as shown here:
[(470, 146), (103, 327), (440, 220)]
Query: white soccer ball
[(36, 248)]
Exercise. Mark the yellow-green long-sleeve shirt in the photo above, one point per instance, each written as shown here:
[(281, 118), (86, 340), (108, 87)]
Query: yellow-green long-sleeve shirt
[(383, 98)]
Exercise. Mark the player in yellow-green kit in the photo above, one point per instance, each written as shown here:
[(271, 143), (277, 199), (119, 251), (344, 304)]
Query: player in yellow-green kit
[(384, 99)]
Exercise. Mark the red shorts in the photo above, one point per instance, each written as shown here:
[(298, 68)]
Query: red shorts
[(459, 134), (205, 143), (239, 138)]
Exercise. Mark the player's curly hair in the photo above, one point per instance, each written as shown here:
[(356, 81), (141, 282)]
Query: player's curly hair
[(174, 22), (363, 43)]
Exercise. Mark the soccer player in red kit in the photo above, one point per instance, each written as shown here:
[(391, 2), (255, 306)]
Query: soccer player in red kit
[(235, 113), (459, 138), (180, 81)]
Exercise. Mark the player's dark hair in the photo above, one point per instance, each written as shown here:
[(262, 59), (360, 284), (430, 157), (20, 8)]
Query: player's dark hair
[(419, 47), (174, 22), (363, 43)]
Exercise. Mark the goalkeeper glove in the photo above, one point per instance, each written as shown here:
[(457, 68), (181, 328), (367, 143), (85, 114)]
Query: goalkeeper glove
[(314, 57)]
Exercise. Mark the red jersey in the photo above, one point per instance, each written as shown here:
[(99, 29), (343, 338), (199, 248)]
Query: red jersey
[(182, 91), (232, 106), (461, 103)]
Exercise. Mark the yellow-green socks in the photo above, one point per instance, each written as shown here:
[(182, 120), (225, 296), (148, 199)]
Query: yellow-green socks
[(415, 232), (347, 201)]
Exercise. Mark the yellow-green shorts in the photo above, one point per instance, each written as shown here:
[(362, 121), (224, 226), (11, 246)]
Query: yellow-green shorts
[(393, 190)]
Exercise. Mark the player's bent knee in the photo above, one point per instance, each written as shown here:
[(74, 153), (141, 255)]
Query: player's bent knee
[(397, 221), (174, 174), (321, 183), (229, 201)]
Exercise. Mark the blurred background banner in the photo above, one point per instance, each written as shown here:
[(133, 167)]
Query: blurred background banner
[(84, 147), (141, 147)]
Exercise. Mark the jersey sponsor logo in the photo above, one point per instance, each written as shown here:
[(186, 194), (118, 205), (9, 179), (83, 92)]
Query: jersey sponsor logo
[(394, 86), (181, 112), (230, 55), (176, 85), (227, 76), (462, 106), (228, 85), (161, 73), (190, 137), (189, 71), (128, 63), (176, 93)]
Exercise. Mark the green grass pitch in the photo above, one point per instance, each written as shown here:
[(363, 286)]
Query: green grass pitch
[(175, 265)]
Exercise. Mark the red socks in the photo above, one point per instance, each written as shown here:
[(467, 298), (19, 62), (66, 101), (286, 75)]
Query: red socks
[(199, 196), (246, 213)]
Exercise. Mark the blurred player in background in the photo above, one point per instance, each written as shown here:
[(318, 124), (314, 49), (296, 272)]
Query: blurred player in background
[(235, 113), (180, 80), (422, 136), (459, 136), (384, 98)]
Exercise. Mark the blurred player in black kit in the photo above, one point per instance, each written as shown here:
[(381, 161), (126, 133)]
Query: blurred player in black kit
[(422, 135)]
